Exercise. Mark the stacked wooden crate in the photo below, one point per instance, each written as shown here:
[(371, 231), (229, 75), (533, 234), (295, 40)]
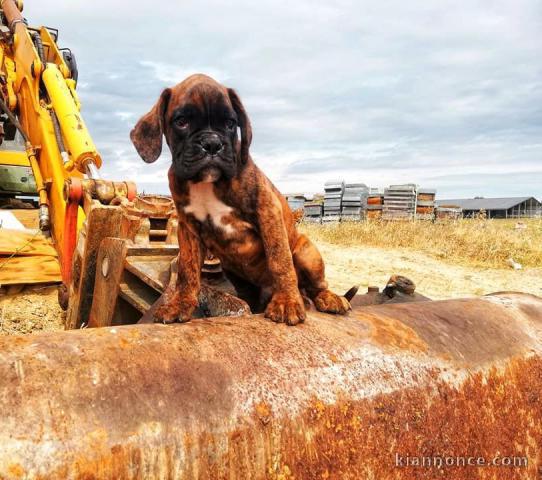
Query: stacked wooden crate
[(449, 212), (334, 190), (425, 204), (400, 202), (375, 203), (313, 212), (296, 201), (354, 201)]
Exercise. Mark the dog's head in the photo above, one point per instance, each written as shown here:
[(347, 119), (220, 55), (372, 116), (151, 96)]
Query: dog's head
[(199, 119)]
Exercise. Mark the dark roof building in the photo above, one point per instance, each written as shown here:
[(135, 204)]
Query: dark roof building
[(507, 207)]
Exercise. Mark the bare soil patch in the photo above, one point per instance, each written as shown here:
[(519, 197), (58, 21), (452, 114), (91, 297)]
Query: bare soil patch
[(33, 309), (437, 279)]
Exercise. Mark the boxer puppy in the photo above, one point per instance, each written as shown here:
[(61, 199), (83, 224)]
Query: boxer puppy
[(227, 205)]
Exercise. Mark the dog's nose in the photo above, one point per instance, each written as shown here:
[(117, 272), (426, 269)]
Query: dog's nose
[(211, 144)]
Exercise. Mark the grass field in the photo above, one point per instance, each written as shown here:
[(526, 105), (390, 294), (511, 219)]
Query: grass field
[(478, 243)]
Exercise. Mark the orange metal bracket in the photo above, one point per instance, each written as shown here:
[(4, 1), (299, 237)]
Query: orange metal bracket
[(73, 191)]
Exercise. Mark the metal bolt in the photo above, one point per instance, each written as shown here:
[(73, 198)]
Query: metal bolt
[(105, 267)]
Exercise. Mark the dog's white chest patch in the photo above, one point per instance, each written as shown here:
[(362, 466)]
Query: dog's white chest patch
[(205, 204)]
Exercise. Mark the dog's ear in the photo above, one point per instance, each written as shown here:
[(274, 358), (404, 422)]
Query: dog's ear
[(147, 134), (244, 124)]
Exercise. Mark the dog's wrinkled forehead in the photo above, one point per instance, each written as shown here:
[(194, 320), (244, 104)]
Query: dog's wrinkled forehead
[(222, 107), (201, 93)]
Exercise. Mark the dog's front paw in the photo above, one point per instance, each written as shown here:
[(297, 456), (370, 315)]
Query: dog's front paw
[(186, 309), (175, 308), (329, 302), (168, 312), (286, 308)]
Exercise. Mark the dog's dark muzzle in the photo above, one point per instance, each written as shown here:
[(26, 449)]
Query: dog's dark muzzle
[(207, 158)]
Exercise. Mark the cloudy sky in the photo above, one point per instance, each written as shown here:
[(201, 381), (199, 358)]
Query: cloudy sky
[(446, 94)]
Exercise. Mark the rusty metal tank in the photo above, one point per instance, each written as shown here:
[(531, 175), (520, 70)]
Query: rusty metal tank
[(242, 398)]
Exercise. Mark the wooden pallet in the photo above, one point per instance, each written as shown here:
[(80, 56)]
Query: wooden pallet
[(27, 258)]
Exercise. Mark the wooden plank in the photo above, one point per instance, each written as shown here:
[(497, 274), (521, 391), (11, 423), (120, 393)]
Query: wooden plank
[(109, 266), (137, 294), (29, 218), (153, 250), (29, 270), (397, 208), (23, 243), (102, 221), (153, 270), (399, 199)]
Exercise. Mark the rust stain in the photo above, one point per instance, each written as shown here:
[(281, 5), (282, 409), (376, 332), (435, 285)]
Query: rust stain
[(492, 414), (124, 343), (281, 472), (469, 331), (495, 415), (390, 332), (16, 471), (263, 412)]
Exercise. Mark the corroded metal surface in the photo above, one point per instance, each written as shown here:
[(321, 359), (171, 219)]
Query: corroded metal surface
[(243, 398)]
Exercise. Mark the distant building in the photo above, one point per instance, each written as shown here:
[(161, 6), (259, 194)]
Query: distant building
[(511, 207)]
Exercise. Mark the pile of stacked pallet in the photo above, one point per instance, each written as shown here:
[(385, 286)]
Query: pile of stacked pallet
[(296, 201), (425, 205), (354, 201), (400, 202), (333, 200), (448, 212), (375, 203), (313, 212)]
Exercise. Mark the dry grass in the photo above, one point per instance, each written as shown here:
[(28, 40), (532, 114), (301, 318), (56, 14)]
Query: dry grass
[(481, 243)]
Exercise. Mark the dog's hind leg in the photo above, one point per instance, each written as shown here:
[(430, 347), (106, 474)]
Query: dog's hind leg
[(311, 276), (247, 291)]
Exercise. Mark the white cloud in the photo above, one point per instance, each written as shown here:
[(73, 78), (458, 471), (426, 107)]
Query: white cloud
[(171, 74), (125, 116), (447, 94)]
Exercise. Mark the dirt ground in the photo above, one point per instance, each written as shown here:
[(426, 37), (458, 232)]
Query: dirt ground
[(31, 310), (36, 308), (364, 266)]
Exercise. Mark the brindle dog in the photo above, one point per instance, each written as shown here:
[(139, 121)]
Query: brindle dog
[(227, 205)]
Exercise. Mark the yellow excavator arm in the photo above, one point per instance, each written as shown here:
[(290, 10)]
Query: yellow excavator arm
[(38, 97)]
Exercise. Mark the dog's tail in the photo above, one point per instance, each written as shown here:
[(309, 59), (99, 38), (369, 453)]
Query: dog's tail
[(351, 293)]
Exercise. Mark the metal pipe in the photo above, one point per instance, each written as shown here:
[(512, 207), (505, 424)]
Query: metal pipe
[(44, 218), (239, 398), (12, 13), (92, 171), (38, 43), (58, 135)]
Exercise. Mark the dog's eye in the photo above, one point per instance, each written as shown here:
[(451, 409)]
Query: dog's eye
[(181, 122), (230, 123)]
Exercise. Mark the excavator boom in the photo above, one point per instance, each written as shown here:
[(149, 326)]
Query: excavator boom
[(38, 98)]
